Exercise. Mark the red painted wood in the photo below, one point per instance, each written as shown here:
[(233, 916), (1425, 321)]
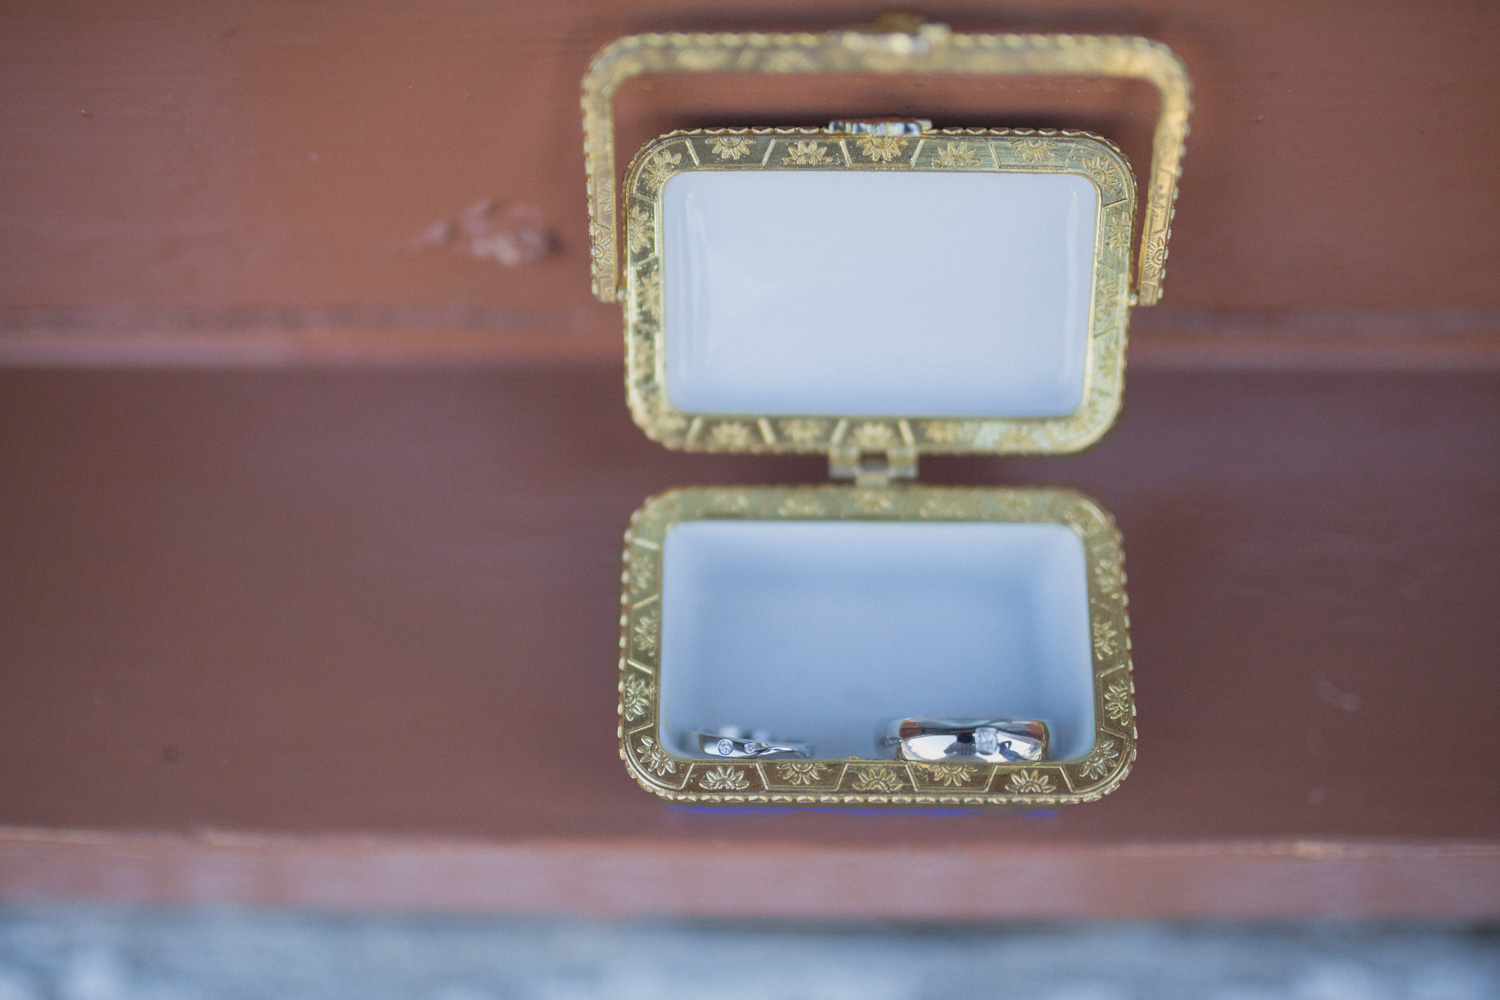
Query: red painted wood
[(782, 880), (191, 180), (312, 603)]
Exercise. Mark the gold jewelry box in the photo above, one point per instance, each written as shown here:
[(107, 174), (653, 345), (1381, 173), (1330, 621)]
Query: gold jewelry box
[(876, 291)]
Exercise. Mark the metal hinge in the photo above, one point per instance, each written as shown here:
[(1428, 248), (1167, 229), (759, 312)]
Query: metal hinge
[(879, 126), (872, 468)]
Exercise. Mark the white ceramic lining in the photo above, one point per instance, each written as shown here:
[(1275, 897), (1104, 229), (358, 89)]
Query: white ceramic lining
[(860, 293), (815, 630)]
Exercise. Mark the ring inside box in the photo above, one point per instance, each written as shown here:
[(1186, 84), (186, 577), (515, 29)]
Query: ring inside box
[(817, 630)]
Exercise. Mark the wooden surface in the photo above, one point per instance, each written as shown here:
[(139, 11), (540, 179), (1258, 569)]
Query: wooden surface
[(262, 610), (785, 880), (267, 183), (297, 636)]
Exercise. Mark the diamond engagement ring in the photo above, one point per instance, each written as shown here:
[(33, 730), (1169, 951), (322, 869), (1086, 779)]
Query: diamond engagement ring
[(738, 743), (992, 741)]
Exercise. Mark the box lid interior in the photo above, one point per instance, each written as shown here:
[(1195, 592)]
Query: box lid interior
[(870, 294)]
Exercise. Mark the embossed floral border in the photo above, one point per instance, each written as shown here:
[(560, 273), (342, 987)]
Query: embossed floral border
[(970, 150), (857, 781)]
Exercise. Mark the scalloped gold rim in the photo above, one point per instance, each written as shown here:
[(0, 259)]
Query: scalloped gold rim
[(859, 782), (969, 150)]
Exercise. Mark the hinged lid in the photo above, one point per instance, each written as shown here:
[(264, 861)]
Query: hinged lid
[(878, 290), (869, 467), (806, 291)]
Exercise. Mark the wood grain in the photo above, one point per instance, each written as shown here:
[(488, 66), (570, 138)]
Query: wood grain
[(298, 636), (784, 881), (230, 183), (311, 604)]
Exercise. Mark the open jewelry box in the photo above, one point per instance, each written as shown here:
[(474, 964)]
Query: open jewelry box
[(876, 291)]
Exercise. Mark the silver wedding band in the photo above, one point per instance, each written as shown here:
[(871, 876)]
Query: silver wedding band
[(737, 744), (989, 741)]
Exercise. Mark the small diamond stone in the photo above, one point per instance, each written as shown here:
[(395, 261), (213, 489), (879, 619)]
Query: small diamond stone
[(726, 748), (753, 747), (986, 742)]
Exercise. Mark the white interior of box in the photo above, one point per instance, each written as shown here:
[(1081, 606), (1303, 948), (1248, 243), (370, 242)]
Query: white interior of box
[(862, 293), (818, 630)]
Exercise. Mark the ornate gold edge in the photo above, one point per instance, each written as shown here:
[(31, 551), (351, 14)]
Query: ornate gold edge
[(932, 49), (857, 781), (969, 150)]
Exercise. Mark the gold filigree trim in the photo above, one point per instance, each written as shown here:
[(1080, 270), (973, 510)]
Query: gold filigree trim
[(636, 697), (949, 774), (724, 779), (1118, 704), (1101, 759), (646, 636), (881, 148), (798, 149), (1029, 782), (806, 153), (731, 147), (879, 779), (956, 154), (859, 782), (801, 772), (653, 758)]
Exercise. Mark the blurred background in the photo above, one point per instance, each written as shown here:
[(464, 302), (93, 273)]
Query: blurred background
[(104, 954)]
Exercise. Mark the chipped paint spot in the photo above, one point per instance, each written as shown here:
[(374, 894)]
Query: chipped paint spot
[(511, 236)]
